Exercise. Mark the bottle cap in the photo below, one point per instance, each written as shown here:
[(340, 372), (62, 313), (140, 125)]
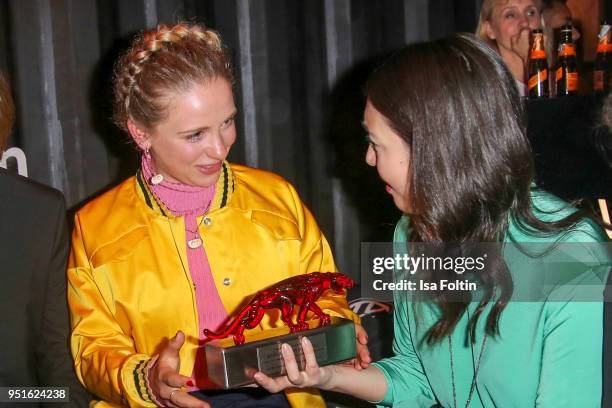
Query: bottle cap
[(568, 26)]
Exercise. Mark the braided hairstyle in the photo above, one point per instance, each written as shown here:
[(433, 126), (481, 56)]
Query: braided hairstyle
[(161, 63)]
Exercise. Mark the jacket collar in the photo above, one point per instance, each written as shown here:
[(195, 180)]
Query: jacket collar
[(223, 191)]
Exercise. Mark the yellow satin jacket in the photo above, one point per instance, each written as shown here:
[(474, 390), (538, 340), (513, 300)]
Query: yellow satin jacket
[(129, 289)]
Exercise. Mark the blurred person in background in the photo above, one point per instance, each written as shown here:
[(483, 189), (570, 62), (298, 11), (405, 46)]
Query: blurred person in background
[(506, 26), (555, 14), (33, 251)]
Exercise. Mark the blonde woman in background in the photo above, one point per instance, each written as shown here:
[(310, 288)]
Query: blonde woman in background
[(506, 25)]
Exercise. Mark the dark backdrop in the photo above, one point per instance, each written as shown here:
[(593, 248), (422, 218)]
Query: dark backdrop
[(300, 66)]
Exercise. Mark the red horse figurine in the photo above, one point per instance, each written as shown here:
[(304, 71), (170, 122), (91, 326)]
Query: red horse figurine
[(302, 290)]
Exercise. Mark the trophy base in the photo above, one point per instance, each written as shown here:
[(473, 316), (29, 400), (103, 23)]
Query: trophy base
[(232, 366)]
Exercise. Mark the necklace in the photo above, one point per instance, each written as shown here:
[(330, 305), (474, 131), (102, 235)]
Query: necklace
[(473, 385), (197, 241)]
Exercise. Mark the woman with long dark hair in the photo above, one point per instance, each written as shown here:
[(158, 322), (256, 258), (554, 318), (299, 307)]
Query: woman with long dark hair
[(447, 136)]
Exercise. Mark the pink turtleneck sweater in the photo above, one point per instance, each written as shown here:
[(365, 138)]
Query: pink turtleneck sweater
[(191, 202)]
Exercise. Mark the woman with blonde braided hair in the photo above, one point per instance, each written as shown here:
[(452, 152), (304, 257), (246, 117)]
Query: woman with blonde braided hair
[(178, 247)]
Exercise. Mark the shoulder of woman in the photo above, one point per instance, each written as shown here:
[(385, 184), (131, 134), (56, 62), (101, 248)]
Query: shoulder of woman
[(256, 177), (254, 188), (550, 208), (402, 229), (112, 215), (117, 198), (112, 224)]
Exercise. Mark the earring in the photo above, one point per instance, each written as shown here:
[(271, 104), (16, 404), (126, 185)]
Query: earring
[(156, 178)]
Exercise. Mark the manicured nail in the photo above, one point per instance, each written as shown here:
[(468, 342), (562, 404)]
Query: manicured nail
[(189, 383)]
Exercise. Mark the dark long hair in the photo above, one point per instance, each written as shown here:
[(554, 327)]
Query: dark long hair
[(456, 105)]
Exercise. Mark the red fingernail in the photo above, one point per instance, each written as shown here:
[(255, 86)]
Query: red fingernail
[(189, 383)]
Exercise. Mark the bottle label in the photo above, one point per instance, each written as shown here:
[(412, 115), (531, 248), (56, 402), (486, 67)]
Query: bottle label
[(566, 50), (604, 45), (537, 49), (598, 80), (537, 78), (603, 32), (604, 48), (572, 81)]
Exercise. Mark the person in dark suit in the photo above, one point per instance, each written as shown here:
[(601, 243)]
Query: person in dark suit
[(34, 244)]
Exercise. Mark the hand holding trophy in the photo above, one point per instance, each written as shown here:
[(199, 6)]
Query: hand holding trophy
[(233, 362)]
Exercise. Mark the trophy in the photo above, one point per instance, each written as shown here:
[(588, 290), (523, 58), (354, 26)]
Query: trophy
[(232, 362)]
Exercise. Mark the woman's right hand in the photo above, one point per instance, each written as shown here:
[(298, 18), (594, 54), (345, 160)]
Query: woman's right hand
[(520, 44), (312, 376), (164, 379)]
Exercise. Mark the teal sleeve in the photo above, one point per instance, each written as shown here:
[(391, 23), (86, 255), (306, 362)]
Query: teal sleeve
[(572, 355), (407, 384)]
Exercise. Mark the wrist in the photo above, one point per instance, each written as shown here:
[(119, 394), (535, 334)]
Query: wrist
[(148, 373), (132, 381), (327, 380)]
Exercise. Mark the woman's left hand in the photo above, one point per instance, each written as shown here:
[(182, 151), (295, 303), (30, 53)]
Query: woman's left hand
[(363, 359), (312, 376), (369, 384)]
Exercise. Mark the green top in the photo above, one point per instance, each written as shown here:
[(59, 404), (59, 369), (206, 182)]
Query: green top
[(548, 354)]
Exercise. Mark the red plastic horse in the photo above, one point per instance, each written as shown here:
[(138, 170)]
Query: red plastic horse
[(302, 290)]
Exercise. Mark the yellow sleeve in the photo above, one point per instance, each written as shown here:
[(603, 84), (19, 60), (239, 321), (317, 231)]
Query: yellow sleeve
[(105, 359), (316, 256)]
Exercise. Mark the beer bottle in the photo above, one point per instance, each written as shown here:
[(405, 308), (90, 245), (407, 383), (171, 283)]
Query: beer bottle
[(537, 71), (603, 61), (567, 71)]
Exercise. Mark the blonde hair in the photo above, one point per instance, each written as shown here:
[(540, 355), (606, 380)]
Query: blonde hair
[(163, 61), (7, 112), (486, 12)]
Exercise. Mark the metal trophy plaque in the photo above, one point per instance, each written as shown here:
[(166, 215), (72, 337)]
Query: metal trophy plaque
[(232, 362)]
